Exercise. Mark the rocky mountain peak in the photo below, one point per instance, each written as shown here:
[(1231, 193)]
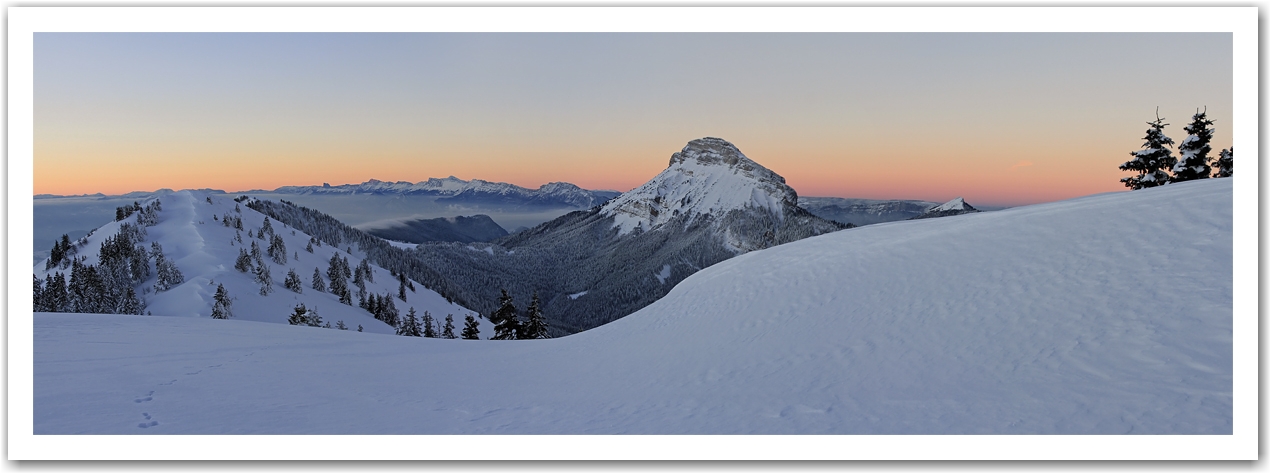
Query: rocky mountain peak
[(708, 176)]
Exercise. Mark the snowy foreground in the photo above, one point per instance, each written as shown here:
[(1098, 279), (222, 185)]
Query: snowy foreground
[(1107, 314)]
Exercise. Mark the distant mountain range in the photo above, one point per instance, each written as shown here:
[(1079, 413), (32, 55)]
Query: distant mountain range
[(475, 191)]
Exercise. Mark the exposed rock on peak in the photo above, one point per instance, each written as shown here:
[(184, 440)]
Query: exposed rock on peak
[(709, 176)]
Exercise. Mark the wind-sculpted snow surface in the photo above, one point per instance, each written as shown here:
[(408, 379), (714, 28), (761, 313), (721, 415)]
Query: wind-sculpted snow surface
[(1045, 319)]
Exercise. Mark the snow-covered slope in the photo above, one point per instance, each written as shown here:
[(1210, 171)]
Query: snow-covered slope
[(708, 177), (204, 250), (1060, 318)]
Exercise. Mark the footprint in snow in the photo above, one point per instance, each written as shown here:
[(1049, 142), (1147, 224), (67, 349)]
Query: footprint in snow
[(148, 397), (146, 425)]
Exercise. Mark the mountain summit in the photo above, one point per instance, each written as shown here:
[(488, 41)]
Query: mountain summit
[(956, 206), (709, 176), (595, 266)]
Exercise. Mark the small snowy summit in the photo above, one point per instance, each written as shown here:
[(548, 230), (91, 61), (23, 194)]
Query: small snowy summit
[(956, 206), (709, 176)]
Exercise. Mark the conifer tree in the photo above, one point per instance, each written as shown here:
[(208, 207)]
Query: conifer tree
[(277, 249), (536, 327), (299, 316), (1151, 161), (243, 262), (448, 330), (220, 306), (359, 327), (55, 298), (410, 326), (506, 326), (38, 297), (318, 284), (1225, 164), (264, 278), (131, 304), (266, 228), (471, 329), (309, 247), (401, 288), (339, 324), (429, 328), (1193, 152), (292, 282)]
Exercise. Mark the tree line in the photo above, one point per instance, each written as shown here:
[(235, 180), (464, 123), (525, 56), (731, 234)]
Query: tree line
[(1155, 164)]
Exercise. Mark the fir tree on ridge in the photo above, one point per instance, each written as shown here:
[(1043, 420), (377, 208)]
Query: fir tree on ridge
[(1225, 163), (429, 328), (220, 308), (506, 326), (1151, 161), (536, 326), (471, 328), (448, 331), (1193, 160)]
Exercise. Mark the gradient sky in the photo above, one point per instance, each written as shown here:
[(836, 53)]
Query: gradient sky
[(999, 118)]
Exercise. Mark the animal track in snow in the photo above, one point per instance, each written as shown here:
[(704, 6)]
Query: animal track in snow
[(146, 425), (148, 397)]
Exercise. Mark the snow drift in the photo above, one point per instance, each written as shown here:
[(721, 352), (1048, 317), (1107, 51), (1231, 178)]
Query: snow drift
[(1109, 314)]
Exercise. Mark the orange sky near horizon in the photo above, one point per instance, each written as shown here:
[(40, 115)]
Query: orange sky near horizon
[(1000, 119)]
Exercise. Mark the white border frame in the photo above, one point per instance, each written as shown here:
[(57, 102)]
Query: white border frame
[(1241, 21)]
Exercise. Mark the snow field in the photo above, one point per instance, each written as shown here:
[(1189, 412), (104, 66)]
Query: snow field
[(1108, 314)]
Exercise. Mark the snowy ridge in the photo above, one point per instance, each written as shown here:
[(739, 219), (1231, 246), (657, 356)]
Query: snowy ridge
[(709, 176), (204, 250), (852, 332)]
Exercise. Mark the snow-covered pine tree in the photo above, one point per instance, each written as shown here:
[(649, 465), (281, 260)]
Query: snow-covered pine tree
[(390, 311), (367, 272), (55, 298), (410, 326), (318, 284), (536, 327), (1151, 161), (429, 327), (339, 324), (243, 262), (131, 304), (264, 278), (277, 248), (169, 276), (221, 303), (309, 247), (401, 288), (359, 327), (448, 330), (255, 252), (1193, 152), (471, 329), (266, 228), (37, 299), (299, 316), (1225, 163), (506, 326), (292, 282)]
